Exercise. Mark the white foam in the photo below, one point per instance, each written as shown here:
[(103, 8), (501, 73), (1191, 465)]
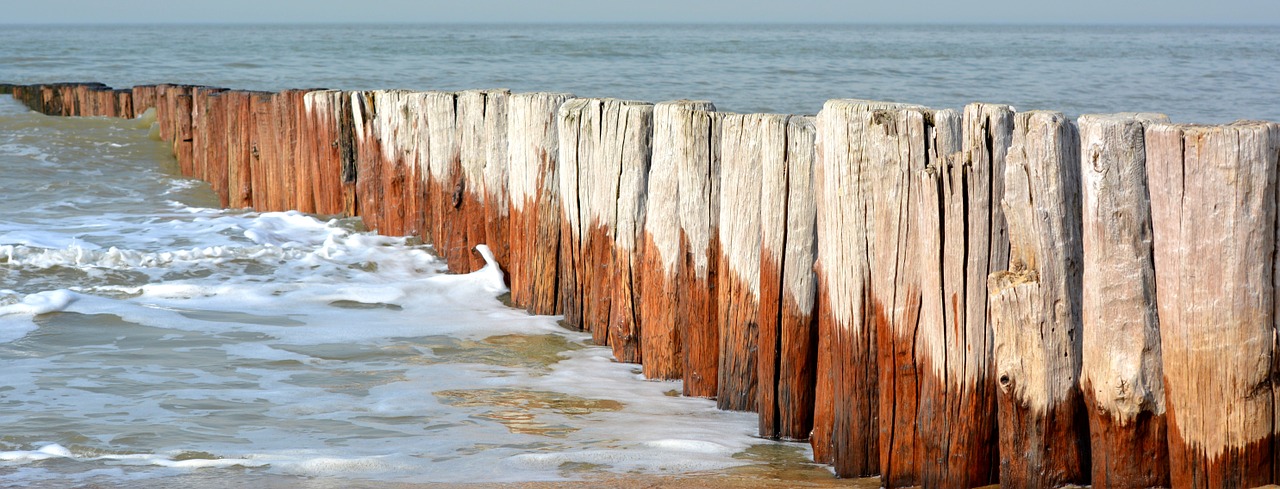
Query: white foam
[(40, 303), (43, 453)]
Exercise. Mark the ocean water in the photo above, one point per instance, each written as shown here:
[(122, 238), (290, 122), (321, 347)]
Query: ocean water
[(149, 338), (1193, 74)]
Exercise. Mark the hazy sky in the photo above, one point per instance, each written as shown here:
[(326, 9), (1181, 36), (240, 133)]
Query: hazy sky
[(832, 11)]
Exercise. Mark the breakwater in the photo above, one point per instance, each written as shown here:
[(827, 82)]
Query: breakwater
[(938, 297)]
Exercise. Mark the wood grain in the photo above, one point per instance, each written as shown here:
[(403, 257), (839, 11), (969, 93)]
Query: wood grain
[(1121, 369), (1213, 212), (1035, 309)]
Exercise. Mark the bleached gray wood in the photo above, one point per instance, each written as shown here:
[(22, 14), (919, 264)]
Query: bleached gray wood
[(1213, 213), (1035, 306)]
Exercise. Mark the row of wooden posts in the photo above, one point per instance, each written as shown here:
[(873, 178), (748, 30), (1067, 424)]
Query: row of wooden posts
[(940, 298)]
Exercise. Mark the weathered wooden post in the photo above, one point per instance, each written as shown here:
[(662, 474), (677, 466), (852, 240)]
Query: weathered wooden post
[(182, 133), (497, 201), (579, 132), (332, 146), (788, 332), (533, 148), (215, 143), (1213, 216), (746, 142), (144, 98), (239, 149), (477, 138), (962, 240), (1121, 370), (596, 147), (396, 160), (1035, 309), (635, 135), (445, 180), (846, 413), (681, 339)]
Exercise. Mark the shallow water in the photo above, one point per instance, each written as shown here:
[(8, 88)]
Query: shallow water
[(146, 336)]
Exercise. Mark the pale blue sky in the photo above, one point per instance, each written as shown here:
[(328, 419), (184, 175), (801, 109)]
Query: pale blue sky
[(503, 11)]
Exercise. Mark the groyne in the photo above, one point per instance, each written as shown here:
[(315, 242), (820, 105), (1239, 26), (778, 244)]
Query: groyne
[(941, 298)]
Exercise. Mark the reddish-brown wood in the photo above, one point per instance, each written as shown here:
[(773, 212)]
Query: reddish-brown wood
[(1213, 215), (1121, 372), (497, 202), (368, 158), (215, 143), (687, 134), (788, 333), (533, 148), (239, 130), (965, 237), (846, 416), (1035, 309), (747, 142), (635, 131), (579, 131)]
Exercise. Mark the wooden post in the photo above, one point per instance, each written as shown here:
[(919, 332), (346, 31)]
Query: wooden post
[(1035, 309), (1213, 216), (532, 144), (215, 143), (497, 201), (661, 339), (746, 143), (298, 147), (900, 145), (1121, 369), (182, 135), (124, 104), (266, 153), (579, 132), (239, 149), (144, 99), (635, 134), (445, 180), (962, 240), (846, 413), (331, 148), (475, 143), (398, 180), (680, 339), (788, 332)]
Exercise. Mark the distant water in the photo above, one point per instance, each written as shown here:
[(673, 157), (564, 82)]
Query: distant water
[(1193, 74)]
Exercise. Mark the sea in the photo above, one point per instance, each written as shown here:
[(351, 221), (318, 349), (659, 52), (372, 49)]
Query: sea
[(149, 338)]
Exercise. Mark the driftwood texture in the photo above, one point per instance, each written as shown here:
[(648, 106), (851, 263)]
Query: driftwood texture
[(331, 149), (746, 142), (482, 134), (635, 134), (1213, 212), (846, 413), (681, 140), (497, 202), (694, 143), (1121, 374), (962, 239), (1035, 309), (899, 146), (533, 148), (788, 334), (579, 132), (597, 149)]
